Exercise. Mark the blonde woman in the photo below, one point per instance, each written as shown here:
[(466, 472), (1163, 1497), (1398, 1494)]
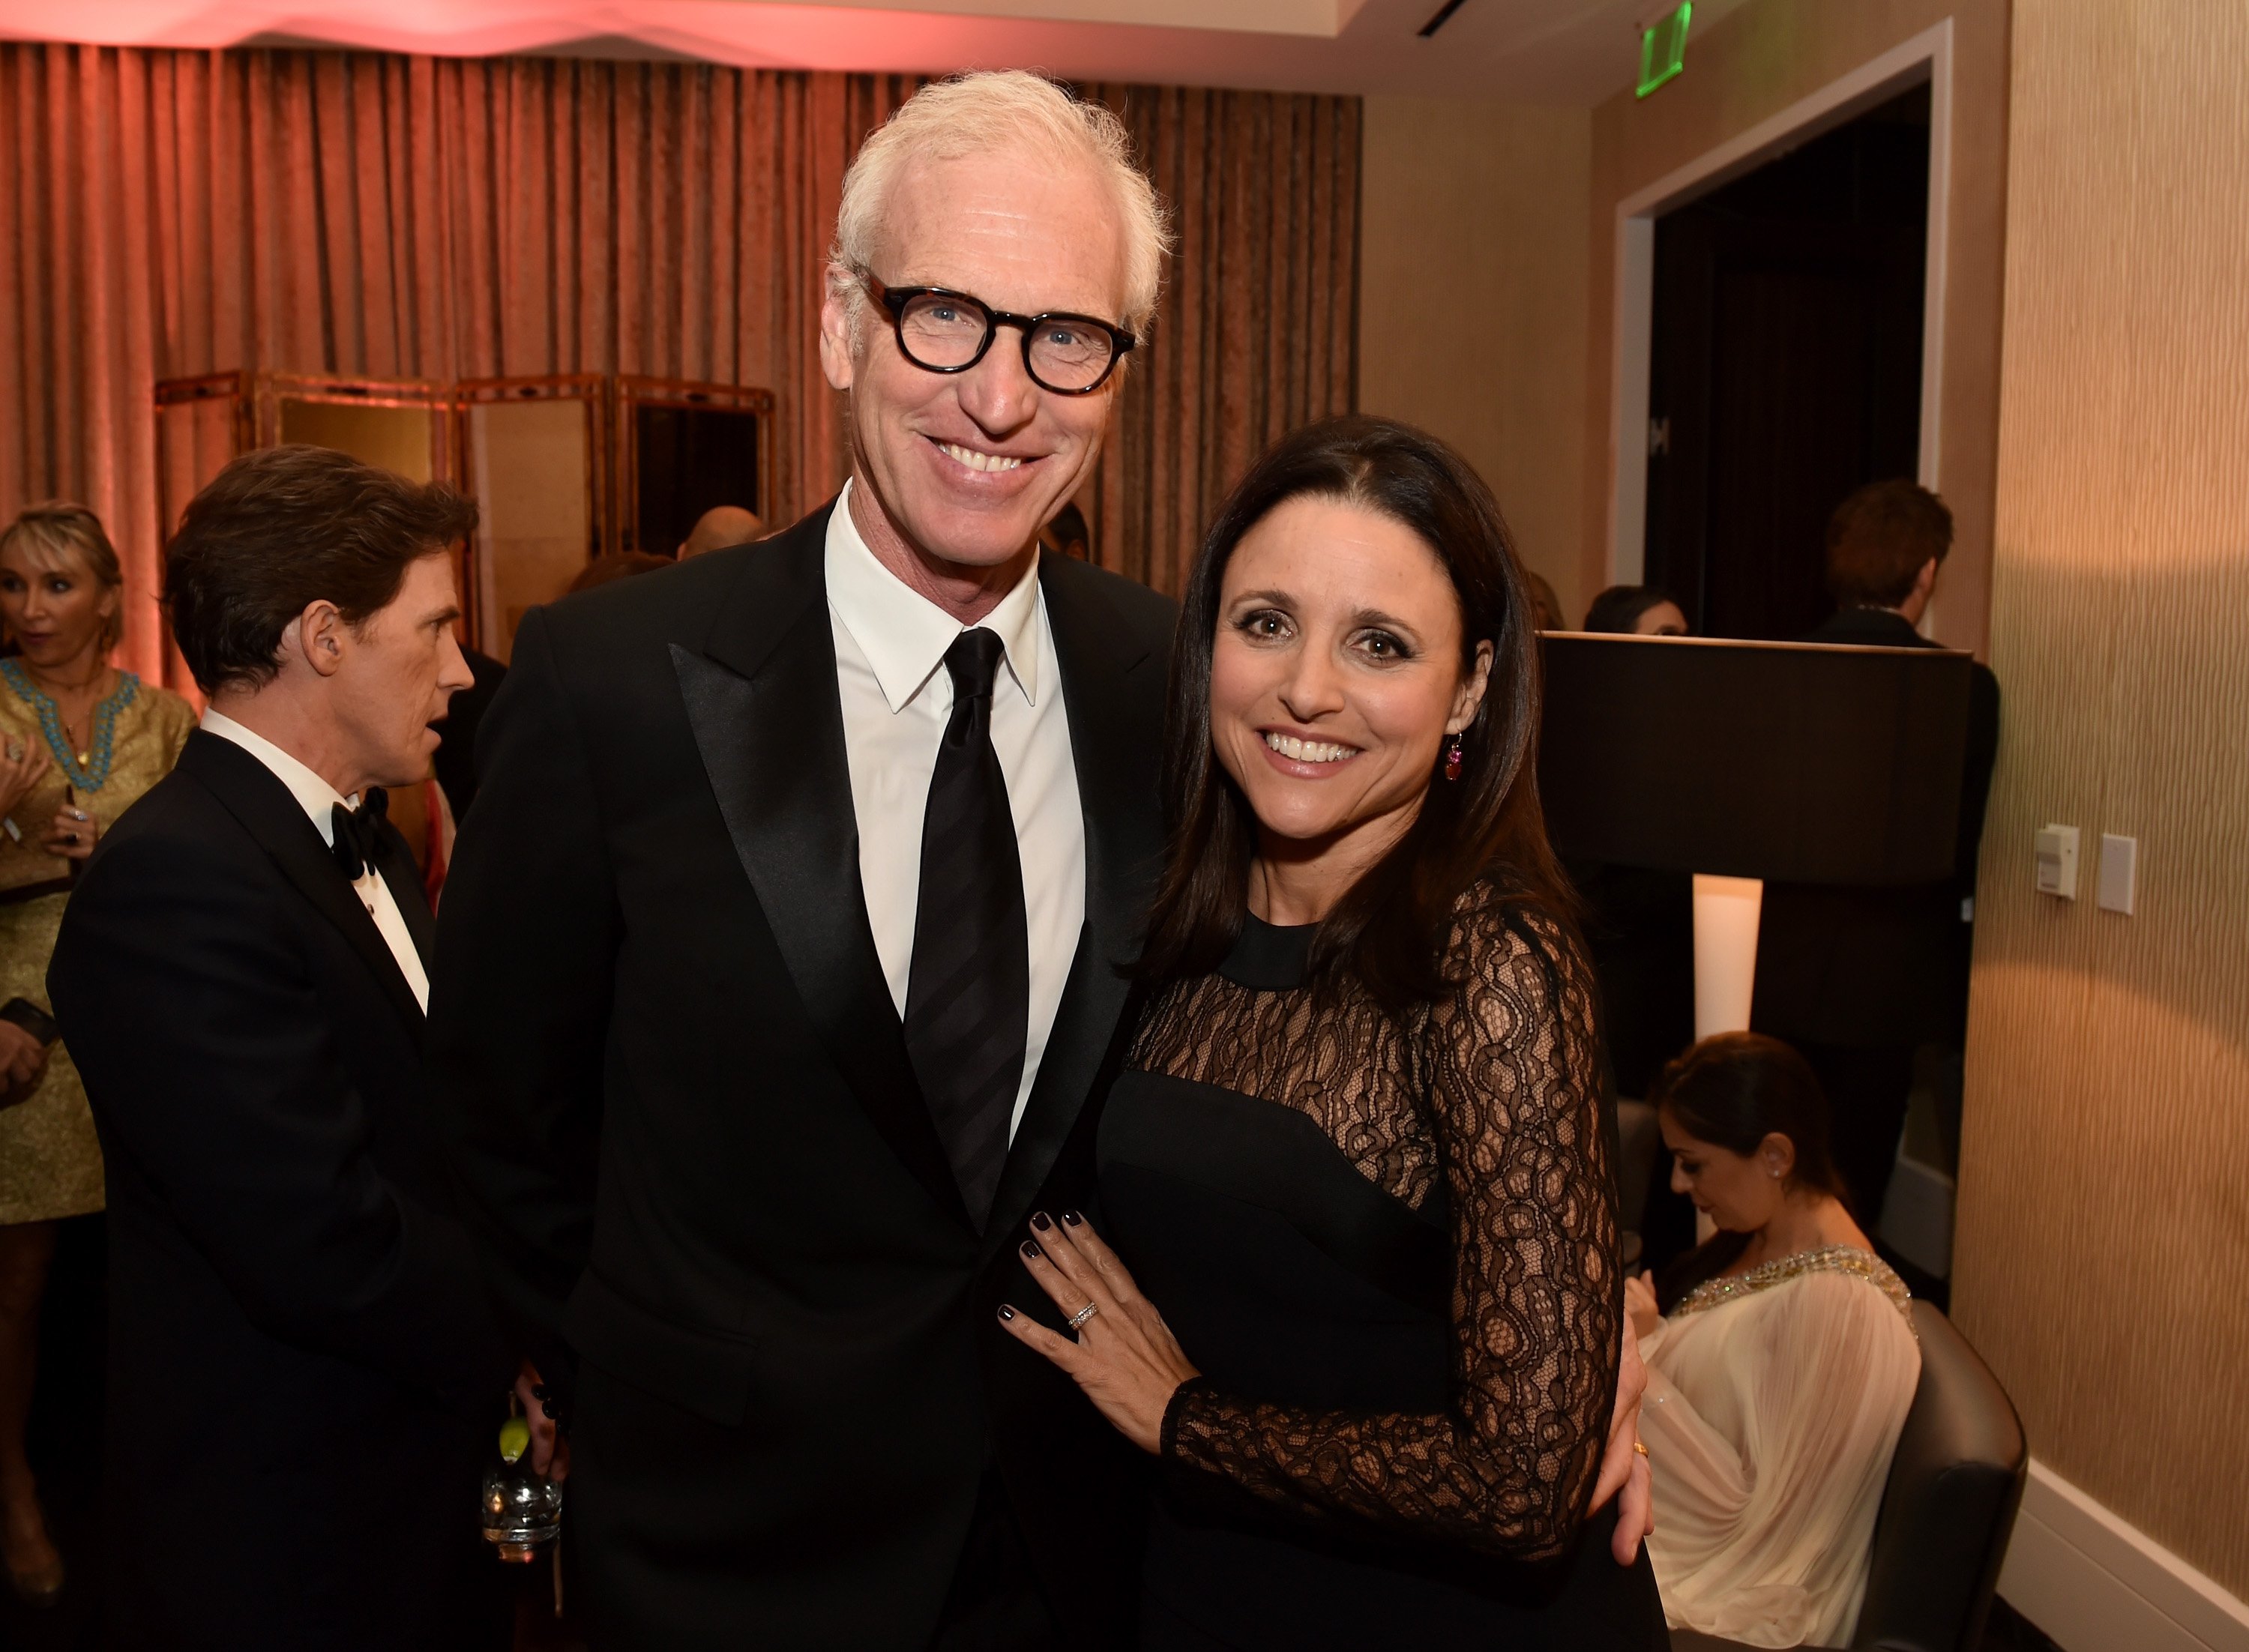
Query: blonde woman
[(79, 741)]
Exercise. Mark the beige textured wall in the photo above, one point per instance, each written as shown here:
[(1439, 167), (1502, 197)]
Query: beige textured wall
[(1752, 66), (2104, 1222), (1471, 301)]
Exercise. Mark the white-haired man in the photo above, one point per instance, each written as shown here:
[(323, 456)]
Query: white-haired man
[(782, 949)]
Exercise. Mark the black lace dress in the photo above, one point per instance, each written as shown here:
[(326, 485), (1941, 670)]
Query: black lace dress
[(1392, 1251)]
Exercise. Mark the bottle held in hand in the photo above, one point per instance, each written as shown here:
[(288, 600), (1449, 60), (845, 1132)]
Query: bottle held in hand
[(522, 1507)]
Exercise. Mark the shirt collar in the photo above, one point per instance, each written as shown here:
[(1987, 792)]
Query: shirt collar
[(315, 796), (903, 634)]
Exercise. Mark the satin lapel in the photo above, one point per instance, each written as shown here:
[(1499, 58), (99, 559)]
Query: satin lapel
[(763, 704), (1116, 754), (254, 795)]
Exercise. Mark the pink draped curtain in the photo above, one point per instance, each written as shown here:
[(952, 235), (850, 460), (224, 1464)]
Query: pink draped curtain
[(171, 213), (1258, 329)]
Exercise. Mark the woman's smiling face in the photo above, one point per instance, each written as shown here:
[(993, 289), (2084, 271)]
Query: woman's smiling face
[(1336, 675)]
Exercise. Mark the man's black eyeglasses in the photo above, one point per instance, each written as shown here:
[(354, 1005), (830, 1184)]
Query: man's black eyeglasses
[(946, 331)]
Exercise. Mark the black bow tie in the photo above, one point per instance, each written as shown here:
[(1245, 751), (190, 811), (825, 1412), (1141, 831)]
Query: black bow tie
[(357, 833)]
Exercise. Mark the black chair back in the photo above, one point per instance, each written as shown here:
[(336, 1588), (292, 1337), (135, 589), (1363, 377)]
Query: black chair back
[(1948, 1508)]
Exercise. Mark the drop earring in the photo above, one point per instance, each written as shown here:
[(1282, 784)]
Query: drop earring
[(1453, 760)]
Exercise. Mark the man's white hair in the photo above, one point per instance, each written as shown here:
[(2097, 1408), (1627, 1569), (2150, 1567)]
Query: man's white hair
[(1002, 110)]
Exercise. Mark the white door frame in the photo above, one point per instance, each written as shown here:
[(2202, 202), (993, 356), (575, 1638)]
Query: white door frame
[(1927, 56)]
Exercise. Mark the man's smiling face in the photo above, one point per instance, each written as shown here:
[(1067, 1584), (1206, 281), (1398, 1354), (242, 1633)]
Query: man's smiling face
[(965, 468)]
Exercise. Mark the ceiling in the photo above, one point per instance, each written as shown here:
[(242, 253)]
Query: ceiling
[(1562, 52)]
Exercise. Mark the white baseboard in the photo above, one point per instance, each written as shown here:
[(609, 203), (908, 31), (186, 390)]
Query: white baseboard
[(2095, 1584)]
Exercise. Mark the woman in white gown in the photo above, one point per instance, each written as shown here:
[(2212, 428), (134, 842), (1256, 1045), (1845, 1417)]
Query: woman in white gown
[(1781, 1363)]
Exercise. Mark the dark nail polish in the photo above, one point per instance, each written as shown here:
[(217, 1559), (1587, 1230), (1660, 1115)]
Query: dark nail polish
[(548, 1409), (1031, 1248), (1073, 1218), (1041, 1221)]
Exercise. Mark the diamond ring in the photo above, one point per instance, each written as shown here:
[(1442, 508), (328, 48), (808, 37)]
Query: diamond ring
[(1079, 1318)]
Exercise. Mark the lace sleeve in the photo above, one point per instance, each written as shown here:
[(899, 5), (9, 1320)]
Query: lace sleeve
[(1513, 1092)]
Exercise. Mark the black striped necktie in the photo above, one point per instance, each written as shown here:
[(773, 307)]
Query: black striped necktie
[(968, 993)]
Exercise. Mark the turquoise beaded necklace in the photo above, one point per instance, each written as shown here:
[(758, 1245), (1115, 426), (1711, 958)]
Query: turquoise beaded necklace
[(93, 773)]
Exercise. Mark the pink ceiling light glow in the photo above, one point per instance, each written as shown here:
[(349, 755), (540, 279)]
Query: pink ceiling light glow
[(1569, 51)]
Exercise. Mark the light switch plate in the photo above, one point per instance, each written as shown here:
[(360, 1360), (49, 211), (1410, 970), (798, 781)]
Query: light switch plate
[(2120, 873), (2057, 861)]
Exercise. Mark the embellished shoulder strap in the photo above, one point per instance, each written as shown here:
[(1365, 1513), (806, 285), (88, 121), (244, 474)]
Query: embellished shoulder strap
[(1826, 1259)]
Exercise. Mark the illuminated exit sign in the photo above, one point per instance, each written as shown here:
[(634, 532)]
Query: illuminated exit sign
[(1663, 49)]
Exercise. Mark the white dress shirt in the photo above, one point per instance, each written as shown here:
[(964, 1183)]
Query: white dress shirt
[(318, 798), (898, 695)]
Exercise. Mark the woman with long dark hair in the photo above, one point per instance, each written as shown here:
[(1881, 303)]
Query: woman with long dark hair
[(1354, 1152), (1782, 1362)]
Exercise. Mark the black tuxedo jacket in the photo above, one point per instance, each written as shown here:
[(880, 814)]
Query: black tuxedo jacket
[(687, 1121), (1864, 968), (455, 761), (306, 1372)]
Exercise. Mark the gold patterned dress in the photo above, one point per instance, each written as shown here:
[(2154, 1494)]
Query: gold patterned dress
[(50, 1162)]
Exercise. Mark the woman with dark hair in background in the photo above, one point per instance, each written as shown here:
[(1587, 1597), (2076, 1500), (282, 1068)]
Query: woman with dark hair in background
[(1545, 606), (1638, 927), (79, 741), (1782, 1364), (1356, 1153), (1636, 611)]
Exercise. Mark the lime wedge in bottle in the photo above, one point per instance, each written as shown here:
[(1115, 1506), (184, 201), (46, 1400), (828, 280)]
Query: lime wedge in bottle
[(514, 1438)]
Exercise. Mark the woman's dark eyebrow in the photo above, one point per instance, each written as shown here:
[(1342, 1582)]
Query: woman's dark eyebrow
[(1374, 617), (1383, 621)]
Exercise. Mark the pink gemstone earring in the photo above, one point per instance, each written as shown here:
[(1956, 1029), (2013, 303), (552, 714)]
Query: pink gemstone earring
[(1453, 760)]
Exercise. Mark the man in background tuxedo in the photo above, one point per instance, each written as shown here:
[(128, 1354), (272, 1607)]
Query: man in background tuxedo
[(782, 950), (718, 527), (305, 1371), (1859, 979), (455, 763)]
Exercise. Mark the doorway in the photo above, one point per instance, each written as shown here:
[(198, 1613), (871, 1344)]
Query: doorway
[(1784, 366)]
